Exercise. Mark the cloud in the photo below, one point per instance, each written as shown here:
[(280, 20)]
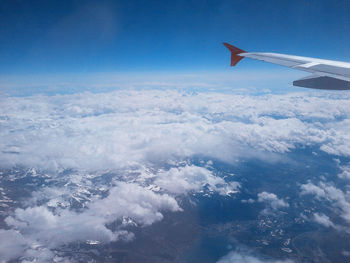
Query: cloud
[(272, 200), (245, 257), (12, 245), (345, 174), (193, 178), (39, 225), (310, 188), (56, 132), (323, 220), (79, 206), (339, 200)]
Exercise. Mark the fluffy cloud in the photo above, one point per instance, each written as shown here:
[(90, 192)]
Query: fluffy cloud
[(310, 188), (272, 200), (38, 225), (51, 220), (323, 220), (193, 178), (345, 174), (12, 245), (339, 200)]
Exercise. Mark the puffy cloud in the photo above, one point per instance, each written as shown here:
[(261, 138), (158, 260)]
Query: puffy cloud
[(345, 174), (272, 199), (323, 220), (310, 188), (12, 245), (244, 257), (52, 229), (339, 200), (182, 180), (51, 220)]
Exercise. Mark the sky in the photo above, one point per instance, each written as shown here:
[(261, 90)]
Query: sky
[(71, 37)]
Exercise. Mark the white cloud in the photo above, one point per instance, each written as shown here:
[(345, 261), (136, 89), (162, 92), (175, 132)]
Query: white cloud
[(54, 223), (310, 188), (240, 257), (12, 245), (345, 174), (123, 128), (272, 199), (50, 229), (339, 200), (323, 220), (189, 178)]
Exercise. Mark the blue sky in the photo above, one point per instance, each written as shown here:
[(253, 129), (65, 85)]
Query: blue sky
[(60, 37)]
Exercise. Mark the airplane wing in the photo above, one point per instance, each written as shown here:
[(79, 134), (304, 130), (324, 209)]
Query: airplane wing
[(326, 74)]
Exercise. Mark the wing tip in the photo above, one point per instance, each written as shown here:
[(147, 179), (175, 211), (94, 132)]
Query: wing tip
[(235, 51)]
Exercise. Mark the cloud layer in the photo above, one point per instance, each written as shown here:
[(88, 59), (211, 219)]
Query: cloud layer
[(129, 155), (123, 128)]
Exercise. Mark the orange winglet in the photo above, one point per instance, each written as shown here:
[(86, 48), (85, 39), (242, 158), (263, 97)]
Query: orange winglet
[(235, 58)]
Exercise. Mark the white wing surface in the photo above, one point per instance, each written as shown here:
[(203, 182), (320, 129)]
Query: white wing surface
[(326, 74)]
